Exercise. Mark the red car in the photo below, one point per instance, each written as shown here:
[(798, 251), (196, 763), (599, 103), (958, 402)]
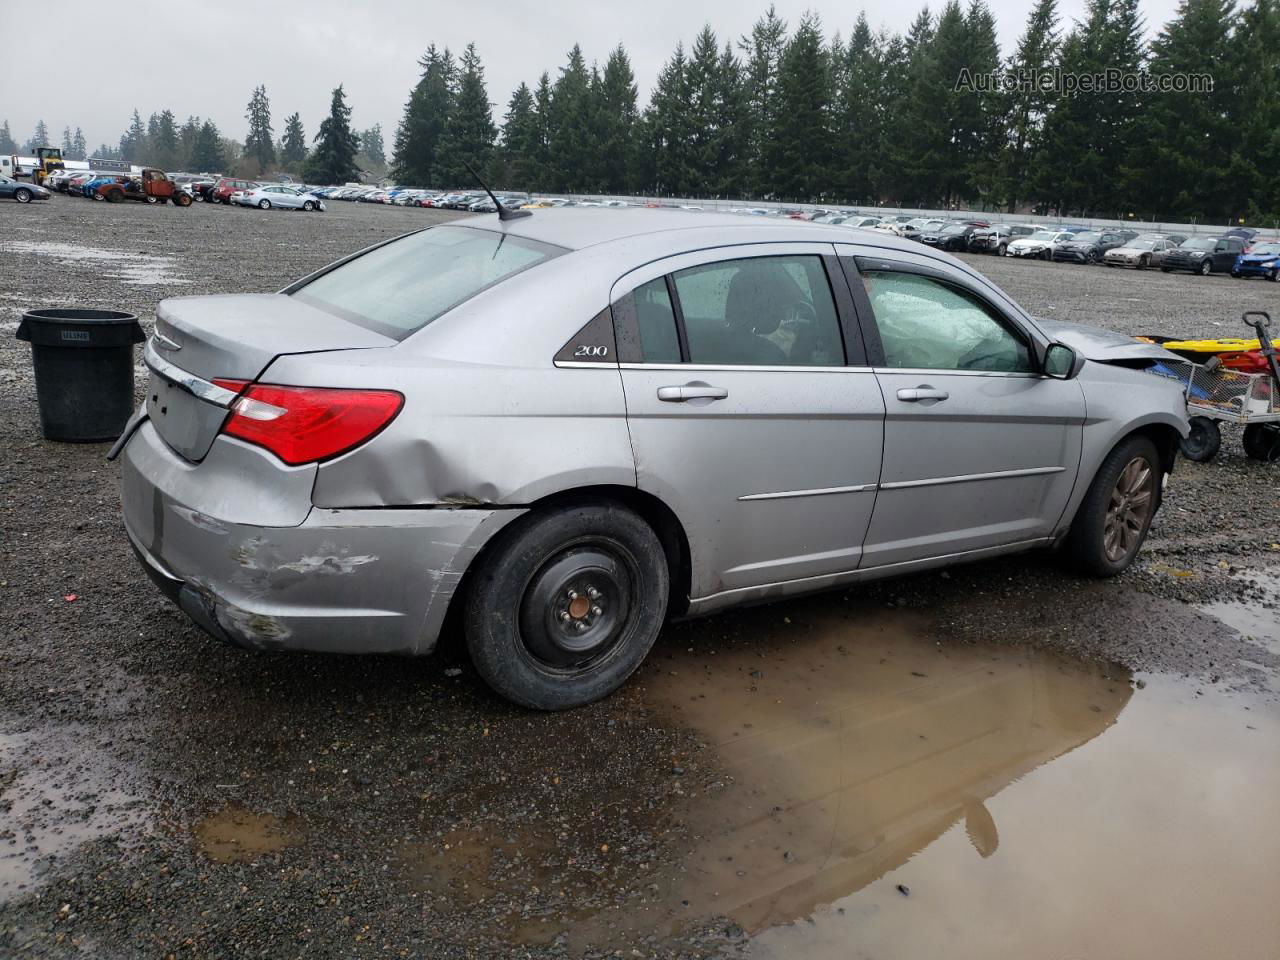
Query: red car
[(221, 192)]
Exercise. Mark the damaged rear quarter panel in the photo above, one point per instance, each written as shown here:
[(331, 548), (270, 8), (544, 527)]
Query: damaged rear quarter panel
[(488, 419)]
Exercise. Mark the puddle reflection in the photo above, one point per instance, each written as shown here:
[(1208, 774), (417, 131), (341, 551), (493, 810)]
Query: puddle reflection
[(860, 745)]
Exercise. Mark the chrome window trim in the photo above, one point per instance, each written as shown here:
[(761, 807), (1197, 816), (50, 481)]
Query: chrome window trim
[(948, 372), (817, 492), (586, 364), (189, 382), (970, 477)]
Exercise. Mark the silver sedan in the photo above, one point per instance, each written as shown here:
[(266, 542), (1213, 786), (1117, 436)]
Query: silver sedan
[(280, 195), (568, 428)]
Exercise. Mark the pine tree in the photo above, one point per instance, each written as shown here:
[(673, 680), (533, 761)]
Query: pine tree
[(762, 51), (701, 113), (40, 138), (66, 143), (206, 152), (798, 154), (978, 129), (1026, 108), (1190, 138), (618, 112), (858, 111), (1089, 135), (79, 148), (468, 131), (1255, 110), (542, 123), (570, 145), (729, 148), (259, 144), (134, 140), (294, 145), (418, 136), (517, 164), (187, 134), (372, 147), (162, 141), (7, 144), (666, 130), (333, 160)]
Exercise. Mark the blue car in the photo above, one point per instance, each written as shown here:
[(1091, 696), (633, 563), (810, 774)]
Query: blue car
[(90, 187), (1263, 260)]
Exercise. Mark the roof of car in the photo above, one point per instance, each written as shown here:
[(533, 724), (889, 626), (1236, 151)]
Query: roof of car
[(577, 228)]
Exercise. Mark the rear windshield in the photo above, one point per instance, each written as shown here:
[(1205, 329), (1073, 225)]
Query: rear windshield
[(400, 287)]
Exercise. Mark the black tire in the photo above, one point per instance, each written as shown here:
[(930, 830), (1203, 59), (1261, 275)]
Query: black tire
[(1166, 269), (23, 195), (1274, 276), (264, 204), (114, 196), (1262, 441), (1144, 261), (1236, 274), (1206, 267), (181, 199), (1204, 441), (308, 206), (1086, 542), (528, 603)]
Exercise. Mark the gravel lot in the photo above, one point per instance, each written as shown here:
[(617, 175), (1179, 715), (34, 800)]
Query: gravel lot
[(161, 795)]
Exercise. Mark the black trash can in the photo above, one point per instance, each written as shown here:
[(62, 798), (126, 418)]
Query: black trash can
[(84, 370)]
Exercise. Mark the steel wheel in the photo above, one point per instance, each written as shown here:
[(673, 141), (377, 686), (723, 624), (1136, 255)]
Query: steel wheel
[(576, 606), (1129, 510)]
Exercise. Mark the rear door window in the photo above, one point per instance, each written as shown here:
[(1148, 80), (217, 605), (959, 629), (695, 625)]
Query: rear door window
[(400, 287), (762, 311)]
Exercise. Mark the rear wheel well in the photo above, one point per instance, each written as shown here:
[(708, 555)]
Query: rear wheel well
[(675, 543), (671, 534)]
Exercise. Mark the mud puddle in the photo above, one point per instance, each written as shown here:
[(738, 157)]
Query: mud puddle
[(237, 835), (887, 795), (135, 269), (56, 793)]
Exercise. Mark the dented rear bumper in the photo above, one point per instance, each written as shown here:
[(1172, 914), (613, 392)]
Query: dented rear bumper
[(340, 581)]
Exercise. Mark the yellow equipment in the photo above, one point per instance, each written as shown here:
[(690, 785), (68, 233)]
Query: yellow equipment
[(48, 160)]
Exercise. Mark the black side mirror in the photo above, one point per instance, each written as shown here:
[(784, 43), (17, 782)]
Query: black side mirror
[(1061, 362)]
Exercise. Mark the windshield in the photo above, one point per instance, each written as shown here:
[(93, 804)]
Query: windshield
[(1042, 235), (1266, 249), (1199, 243), (1087, 237), (400, 287), (1140, 244), (954, 228)]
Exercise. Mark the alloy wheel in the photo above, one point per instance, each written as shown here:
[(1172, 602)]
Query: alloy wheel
[(1129, 510)]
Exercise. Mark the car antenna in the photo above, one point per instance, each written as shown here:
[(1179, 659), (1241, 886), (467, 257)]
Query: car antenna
[(503, 212)]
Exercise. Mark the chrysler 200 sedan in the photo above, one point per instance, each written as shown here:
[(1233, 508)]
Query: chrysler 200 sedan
[(568, 428)]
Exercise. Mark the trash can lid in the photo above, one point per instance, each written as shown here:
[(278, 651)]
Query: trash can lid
[(79, 327)]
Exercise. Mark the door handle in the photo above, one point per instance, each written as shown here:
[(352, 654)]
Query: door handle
[(691, 391), (922, 392)]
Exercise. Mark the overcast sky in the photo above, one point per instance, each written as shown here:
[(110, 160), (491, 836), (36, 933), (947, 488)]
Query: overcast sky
[(173, 56)]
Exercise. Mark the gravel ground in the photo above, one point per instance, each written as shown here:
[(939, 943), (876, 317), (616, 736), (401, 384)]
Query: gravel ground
[(386, 807)]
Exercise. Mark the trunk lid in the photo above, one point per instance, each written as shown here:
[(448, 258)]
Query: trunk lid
[(230, 337)]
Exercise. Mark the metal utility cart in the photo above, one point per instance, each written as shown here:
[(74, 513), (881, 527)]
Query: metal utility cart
[(1216, 393)]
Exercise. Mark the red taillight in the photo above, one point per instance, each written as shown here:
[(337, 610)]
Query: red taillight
[(235, 386), (305, 424)]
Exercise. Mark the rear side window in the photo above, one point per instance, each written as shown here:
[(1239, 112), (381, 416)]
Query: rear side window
[(400, 287), (654, 320), (766, 311)]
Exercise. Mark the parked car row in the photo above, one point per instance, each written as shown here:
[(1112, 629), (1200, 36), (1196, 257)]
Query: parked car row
[(149, 186)]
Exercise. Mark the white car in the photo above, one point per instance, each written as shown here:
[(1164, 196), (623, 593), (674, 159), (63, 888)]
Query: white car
[(1040, 244), (279, 195)]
